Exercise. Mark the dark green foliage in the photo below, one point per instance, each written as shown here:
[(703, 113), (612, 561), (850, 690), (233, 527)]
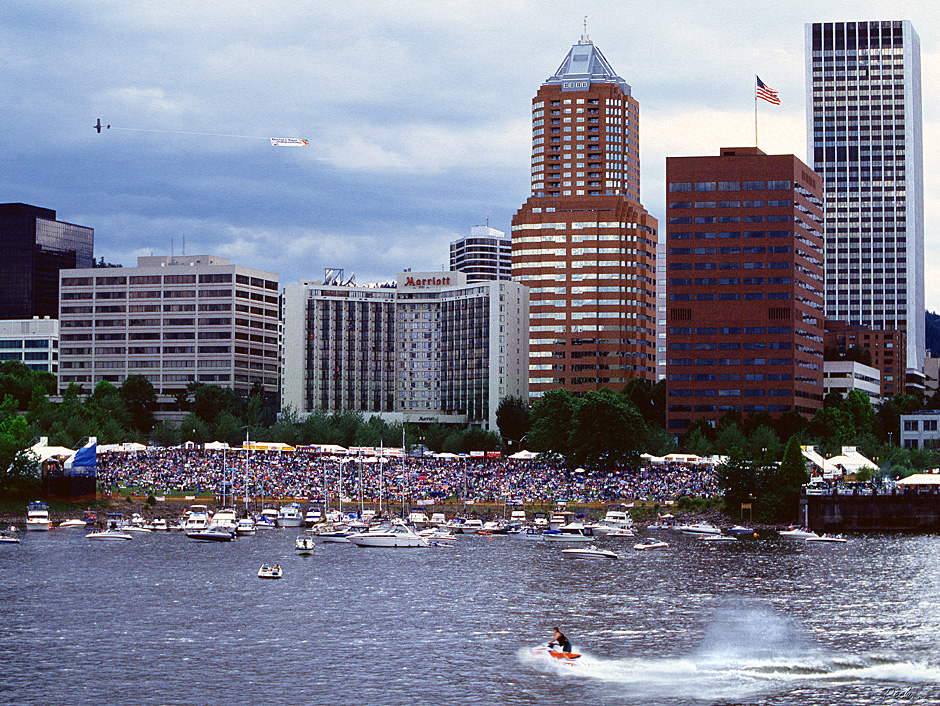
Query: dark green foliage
[(512, 418), (780, 484)]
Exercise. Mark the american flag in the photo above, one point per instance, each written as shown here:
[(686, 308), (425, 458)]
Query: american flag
[(766, 92)]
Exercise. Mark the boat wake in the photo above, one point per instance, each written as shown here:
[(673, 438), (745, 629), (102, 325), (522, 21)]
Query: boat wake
[(735, 664)]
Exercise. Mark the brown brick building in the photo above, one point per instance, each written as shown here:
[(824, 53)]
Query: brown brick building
[(582, 242), (888, 351), (744, 286)]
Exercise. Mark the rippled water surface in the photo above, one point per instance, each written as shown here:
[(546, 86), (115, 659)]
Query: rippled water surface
[(164, 620)]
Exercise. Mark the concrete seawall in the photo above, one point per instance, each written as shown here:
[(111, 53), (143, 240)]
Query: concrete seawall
[(910, 511)]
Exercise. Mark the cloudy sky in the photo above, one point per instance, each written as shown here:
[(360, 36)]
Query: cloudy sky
[(417, 113)]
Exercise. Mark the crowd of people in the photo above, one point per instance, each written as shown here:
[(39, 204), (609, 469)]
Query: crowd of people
[(305, 476)]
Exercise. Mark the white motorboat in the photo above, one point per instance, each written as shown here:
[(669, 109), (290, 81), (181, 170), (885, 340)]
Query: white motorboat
[(471, 527), (225, 518), (591, 552), (290, 515), (72, 524), (197, 519), (572, 532), (109, 535), (418, 519), (136, 525), (531, 533), (717, 538), (438, 534), (245, 527), (618, 518), (37, 517), (398, 535), (212, 533), (699, 529), (270, 571), (8, 538), (797, 533), (159, 524), (619, 533), (742, 531), (651, 543), (827, 539), (304, 544), (438, 519), (313, 517), (517, 517), (267, 519)]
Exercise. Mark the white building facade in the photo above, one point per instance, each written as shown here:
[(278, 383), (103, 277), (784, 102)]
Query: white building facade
[(863, 124), (33, 342), (429, 348), (485, 255), (174, 320), (843, 376)]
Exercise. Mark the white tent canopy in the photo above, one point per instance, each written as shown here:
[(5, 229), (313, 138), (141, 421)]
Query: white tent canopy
[(932, 478), (524, 455)]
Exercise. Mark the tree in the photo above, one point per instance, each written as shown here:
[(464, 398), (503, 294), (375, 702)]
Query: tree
[(606, 430), (780, 484), (512, 418), (696, 442), (737, 476), (141, 400), (551, 422)]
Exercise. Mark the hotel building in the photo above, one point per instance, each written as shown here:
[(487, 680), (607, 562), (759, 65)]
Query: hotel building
[(744, 286), (485, 255), (430, 348), (33, 342), (582, 242), (863, 126), (174, 320)]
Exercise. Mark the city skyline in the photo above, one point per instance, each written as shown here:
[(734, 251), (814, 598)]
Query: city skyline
[(416, 115)]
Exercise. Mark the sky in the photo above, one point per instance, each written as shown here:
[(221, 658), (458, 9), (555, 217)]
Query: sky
[(417, 112)]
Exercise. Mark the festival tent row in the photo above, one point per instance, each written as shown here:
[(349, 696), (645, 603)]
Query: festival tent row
[(850, 461)]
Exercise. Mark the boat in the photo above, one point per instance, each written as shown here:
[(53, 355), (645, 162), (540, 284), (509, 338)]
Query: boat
[(37, 517), (618, 518), (567, 657), (109, 535), (742, 531), (418, 519), (7, 537), (267, 519), (717, 538), (517, 517), (531, 533), (591, 552), (438, 519), (270, 571), (659, 525), (797, 533), (72, 524), (225, 518), (290, 515), (135, 525), (304, 544), (619, 533), (698, 530), (245, 527), (334, 534), (827, 539), (651, 543), (313, 517), (197, 519), (159, 524), (212, 533), (398, 535), (572, 532), (438, 534), (471, 527)]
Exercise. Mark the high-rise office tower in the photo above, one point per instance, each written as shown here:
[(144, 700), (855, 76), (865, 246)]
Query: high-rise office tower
[(484, 255), (745, 274), (582, 242), (35, 247), (863, 123)]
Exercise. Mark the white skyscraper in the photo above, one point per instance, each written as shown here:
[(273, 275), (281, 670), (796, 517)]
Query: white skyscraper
[(863, 122)]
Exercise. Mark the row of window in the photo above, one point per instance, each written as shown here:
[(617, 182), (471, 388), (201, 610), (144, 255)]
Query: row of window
[(705, 186)]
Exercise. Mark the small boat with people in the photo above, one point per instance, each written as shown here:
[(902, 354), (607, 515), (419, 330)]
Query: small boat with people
[(650, 543), (572, 532), (37, 517), (9, 537), (591, 552), (270, 571), (797, 533), (827, 539), (290, 515), (304, 545), (245, 527), (212, 533), (398, 535), (742, 531), (72, 524), (197, 519), (698, 529), (226, 518)]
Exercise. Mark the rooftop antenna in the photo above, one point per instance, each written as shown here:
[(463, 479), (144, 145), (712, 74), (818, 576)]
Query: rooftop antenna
[(184, 244), (585, 39), (172, 247)]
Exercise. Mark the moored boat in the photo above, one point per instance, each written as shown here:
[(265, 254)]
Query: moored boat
[(72, 524), (699, 529), (109, 535), (290, 515), (37, 517), (270, 571), (827, 539), (797, 533), (7, 537), (245, 527), (212, 533), (304, 544), (572, 532), (398, 535), (651, 543)]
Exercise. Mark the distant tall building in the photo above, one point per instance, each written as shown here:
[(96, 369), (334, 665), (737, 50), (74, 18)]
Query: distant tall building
[(745, 307), (174, 320), (863, 123), (582, 242), (485, 255), (35, 247)]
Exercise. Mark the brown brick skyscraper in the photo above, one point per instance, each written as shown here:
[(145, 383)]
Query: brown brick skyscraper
[(582, 242)]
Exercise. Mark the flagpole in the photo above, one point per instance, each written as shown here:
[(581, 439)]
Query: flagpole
[(755, 110)]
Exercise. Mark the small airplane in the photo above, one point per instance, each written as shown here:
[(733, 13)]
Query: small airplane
[(98, 126)]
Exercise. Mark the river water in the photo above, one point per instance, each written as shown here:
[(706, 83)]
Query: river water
[(165, 620)]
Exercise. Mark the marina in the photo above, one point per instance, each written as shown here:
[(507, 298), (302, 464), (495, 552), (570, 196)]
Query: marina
[(757, 620)]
